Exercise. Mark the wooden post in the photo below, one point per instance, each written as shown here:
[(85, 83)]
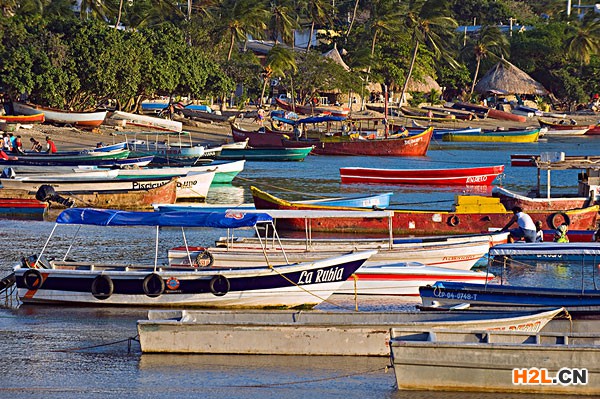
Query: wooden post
[(385, 110)]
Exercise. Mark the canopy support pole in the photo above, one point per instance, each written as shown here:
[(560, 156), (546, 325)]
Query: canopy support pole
[(156, 250), (72, 241), (187, 248)]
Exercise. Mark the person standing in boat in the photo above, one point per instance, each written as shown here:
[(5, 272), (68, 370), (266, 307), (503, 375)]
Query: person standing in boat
[(539, 233), (526, 227), (50, 146)]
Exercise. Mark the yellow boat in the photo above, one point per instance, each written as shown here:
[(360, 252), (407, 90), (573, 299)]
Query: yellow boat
[(507, 136)]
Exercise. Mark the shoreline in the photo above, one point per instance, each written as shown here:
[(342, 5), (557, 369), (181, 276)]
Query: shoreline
[(214, 134)]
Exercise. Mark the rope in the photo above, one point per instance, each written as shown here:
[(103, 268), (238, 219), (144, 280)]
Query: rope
[(128, 340), (386, 368)]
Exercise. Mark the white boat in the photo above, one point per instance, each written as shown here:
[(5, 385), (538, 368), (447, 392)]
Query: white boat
[(214, 152), (496, 361), (308, 332), (147, 121), (92, 282), (81, 119)]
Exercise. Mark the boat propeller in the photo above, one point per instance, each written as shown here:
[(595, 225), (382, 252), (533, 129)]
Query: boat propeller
[(47, 193)]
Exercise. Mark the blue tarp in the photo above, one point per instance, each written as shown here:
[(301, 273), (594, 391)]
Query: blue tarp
[(112, 217)]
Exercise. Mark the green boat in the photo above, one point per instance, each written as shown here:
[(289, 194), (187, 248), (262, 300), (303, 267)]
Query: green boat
[(266, 154)]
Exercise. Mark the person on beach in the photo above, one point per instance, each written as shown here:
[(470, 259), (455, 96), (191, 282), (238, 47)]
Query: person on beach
[(6, 142), (50, 146), (18, 147), (35, 145), (526, 227)]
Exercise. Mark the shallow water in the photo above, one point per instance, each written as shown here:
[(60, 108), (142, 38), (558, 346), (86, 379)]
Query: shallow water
[(77, 352)]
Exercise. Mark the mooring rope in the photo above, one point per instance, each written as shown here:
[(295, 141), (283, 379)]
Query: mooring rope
[(128, 340)]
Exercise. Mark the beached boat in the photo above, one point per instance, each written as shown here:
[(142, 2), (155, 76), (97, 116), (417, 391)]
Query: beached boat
[(207, 116), (499, 136), (580, 299), (60, 165), (308, 332), (265, 138), (496, 361), (474, 176), (510, 199), (310, 110), (470, 214), (79, 119), (211, 153), (104, 284), (266, 154), (35, 118), (22, 208), (594, 130), (147, 121)]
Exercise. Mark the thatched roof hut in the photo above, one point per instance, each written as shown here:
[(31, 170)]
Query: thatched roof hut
[(505, 78), (335, 55), (424, 85)]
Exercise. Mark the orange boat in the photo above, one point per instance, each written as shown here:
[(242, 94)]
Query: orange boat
[(35, 118), (82, 119)]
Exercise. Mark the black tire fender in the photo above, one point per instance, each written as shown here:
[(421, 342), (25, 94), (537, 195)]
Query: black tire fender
[(153, 285), (453, 220), (32, 279), (102, 287), (204, 259), (559, 218), (219, 285)]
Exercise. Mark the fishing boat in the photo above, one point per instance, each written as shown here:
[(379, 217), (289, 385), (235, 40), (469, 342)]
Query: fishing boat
[(211, 153), (580, 299), (313, 110), (22, 208), (79, 119), (469, 214), (265, 138), (165, 149), (594, 130), (510, 199), (306, 332), (498, 136), (95, 189), (92, 282), (474, 176), (207, 116), (61, 165), (35, 118), (564, 128), (147, 121), (393, 145), (266, 154), (496, 361)]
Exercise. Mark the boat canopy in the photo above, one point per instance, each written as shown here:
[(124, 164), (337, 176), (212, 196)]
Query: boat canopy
[(310, 119), (112, 217), (573, 248)]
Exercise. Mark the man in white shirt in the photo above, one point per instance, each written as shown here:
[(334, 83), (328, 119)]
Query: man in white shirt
[(526, 227)]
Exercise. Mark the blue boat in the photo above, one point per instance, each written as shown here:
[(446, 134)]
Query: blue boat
[(575, 300)]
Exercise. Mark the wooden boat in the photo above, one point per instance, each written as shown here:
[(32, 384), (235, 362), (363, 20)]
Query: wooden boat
[(429, 113), (594, 130), (22, 208), (192, 185), (35, 118), (458, 114), (564, 128), (266, 154), (475, 176), (278, 332), (147, 121), (106, 284), (165, 152), (76, 158), (479, 110), (99, 191), (79, 119), (207, 116), (572, 252), (510, 199), (310, 110), (37, 166), (500, 136), (496, 361), (211, 153), (266, 139), (580, 299), (470, 214), (394, 145)]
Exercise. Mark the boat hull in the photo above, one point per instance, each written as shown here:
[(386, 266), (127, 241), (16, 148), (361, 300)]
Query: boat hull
[(511, 199), (482, 176), (148, 121), (81, 119), (22, 208), (35, 118), (473, 214), (525, 136), (265, 154), (301, 109)]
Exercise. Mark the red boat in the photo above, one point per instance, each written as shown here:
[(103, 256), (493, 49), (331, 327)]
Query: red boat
[(35, 118), (395, 145), (470, 214), (476, 176), (22, 208), (266, 139), (308, 110), (594, 130)]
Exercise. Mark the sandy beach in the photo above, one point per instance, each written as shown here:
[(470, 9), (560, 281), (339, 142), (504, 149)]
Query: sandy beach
[(71, 138)]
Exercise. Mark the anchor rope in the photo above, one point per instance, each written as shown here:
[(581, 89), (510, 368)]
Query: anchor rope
[(75, 349)]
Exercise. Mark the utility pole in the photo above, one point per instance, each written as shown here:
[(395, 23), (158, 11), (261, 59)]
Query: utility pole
[(568, 8)]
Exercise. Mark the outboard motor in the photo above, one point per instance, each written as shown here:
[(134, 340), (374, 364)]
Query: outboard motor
[(47, 193), (8, 173)]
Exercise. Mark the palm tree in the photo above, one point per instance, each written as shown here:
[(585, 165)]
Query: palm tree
[(95, 8), (279, 61), (283, 22), (352, 19), (241, 18), (431, 25), (490, 42), (584, 42), (318, 11)]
